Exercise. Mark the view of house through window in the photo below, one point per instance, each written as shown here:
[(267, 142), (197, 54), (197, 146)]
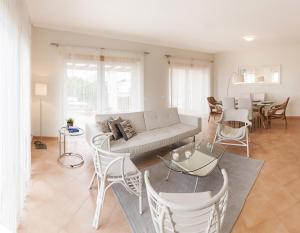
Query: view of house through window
[(94, 86), (81, 90)]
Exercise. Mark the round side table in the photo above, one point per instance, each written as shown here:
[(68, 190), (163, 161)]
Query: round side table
[(63, 155)]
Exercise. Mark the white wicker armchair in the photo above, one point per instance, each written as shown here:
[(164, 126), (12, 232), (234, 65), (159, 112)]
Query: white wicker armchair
[(113, 168), (187, 212), (227, 135)]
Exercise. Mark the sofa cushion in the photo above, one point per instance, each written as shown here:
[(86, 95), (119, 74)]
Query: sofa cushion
[(103, 125), (113, 126), (161, 118), (136, 119), (126, 129), (154, 139)]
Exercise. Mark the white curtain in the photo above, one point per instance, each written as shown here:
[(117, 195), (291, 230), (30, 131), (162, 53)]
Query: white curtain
[(15, 29), (102, 81), (189, 85)]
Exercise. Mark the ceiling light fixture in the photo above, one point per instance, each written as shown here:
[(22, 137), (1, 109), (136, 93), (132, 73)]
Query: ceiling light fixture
[(249, 38)]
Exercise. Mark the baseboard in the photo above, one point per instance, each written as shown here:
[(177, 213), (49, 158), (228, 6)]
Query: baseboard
[(293, 117), (44, 138)]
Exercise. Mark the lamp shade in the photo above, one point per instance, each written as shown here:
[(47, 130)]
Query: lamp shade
[(40, 89)]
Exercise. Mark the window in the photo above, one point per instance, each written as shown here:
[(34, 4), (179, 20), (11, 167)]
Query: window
[(104, 84), (81, 90), (189, 87)]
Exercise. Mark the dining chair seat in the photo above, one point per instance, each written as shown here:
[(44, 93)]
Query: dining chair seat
[(279, 112), (129, 168), (228, 135), (231, 133)]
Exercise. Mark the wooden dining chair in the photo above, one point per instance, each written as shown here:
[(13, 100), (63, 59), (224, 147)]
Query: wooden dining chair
[(278, 111), (214, 106)]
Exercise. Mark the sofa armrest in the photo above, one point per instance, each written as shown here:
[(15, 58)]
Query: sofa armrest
[(91, 130), (190, 120)]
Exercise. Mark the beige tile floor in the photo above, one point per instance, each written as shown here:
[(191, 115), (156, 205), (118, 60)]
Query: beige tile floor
[(59, 201)]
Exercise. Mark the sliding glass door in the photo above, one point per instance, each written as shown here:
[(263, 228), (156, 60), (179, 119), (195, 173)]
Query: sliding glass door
[(81, 90), (189, 87), (103, 84)]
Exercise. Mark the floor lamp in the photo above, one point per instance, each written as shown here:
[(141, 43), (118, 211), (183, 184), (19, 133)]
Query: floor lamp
[(234, 78), (40, 90)]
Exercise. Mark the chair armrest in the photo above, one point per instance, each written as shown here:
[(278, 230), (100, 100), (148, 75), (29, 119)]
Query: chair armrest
[(190, 120), (249, 123), (277, 106)]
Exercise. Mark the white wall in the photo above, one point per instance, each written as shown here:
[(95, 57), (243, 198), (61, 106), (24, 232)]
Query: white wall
[(286, 56), (46, 62)]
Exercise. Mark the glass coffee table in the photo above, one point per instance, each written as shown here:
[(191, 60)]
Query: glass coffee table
[(195, 159)]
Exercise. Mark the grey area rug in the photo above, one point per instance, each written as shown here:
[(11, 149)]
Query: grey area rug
[(242, 173)]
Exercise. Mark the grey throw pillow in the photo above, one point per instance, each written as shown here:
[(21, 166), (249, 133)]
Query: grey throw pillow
[(114, 128), (103, 125), (126, 129)]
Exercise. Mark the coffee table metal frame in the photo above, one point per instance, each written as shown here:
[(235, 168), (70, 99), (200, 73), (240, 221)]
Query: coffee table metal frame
[(63, 134)]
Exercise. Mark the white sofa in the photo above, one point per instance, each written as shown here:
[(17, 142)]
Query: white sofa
[(155, 129)]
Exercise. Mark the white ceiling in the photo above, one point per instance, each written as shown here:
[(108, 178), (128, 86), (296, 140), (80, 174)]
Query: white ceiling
[(202, 25)]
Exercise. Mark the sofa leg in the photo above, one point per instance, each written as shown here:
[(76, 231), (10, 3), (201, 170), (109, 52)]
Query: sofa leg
[(194, 138)]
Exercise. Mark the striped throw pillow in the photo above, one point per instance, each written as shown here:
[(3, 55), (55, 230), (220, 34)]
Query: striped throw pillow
[(126, 129)]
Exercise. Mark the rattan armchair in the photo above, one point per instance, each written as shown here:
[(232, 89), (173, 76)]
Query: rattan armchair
[(113, 168), (278, 111), (214, 106)]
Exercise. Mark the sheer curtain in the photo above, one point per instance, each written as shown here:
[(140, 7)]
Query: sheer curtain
[(15, 29), (189, 85), (101, 81)]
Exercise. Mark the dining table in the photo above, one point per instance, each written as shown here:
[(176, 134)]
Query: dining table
[(263, 109), (261, 106)]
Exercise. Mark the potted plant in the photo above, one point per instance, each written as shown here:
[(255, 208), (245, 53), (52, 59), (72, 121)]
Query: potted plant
[(70, 122)]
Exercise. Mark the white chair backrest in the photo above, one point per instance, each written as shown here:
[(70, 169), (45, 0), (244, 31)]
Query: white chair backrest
[(260, 96), (241, 115), (206, 216), (228, 103), (245, 95), (245, 103), (103, 157)]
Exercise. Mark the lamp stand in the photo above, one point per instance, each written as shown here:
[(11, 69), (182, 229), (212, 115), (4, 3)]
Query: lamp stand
[(228, 85), (229, 80), (39, 143)]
